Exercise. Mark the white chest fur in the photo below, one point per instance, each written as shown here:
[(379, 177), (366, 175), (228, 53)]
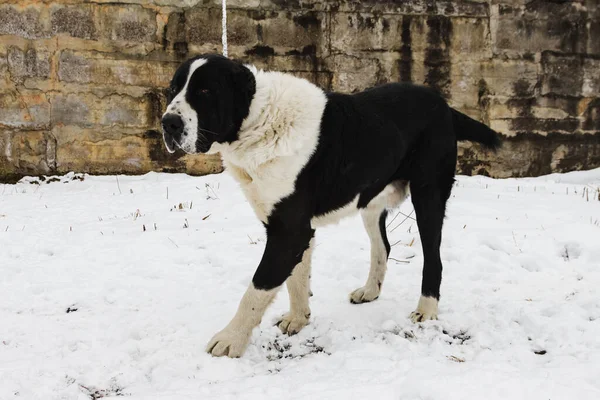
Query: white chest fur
[(276, 140)]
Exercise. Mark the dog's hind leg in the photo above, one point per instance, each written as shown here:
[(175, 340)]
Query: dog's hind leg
[(298, 285), (374, 222), (374, 217), (429, 199)]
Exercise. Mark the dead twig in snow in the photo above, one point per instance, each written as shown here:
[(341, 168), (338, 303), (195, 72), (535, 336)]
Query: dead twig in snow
[(407, 217), (516, 244)]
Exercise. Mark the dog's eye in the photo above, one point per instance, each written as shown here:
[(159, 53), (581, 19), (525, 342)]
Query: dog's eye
[(170, 92)]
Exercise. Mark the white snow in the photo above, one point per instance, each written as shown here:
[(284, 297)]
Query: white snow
[(522, 275)]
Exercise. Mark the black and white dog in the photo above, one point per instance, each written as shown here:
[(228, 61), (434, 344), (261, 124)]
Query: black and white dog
[(305, 158)]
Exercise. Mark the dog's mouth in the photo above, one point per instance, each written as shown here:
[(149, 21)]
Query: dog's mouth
[(171, 145)]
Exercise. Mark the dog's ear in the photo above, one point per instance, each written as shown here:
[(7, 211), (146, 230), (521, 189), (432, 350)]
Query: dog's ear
[(245, 84)]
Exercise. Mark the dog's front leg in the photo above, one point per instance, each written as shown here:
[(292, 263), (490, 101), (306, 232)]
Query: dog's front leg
[(284, 250)]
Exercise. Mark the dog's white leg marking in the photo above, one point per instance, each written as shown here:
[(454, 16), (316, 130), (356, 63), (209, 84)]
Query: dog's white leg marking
[(392, 196), (233, 340), (379, 255), (426, 309), (298, 285)]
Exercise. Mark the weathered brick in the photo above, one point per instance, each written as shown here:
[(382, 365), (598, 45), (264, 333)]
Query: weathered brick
[(203, 27), (542, 107), (541, 26), (30, 63), (591, 77), (470, 37), (591, 115), (131, 23), (351, 74), (366, 31), (294, 30), (97, 151), (32, 152), (75, 20), (23, 108), (87, 110), (22, 21), (103, 69), (532, 155), (562, 74), (510, 77)]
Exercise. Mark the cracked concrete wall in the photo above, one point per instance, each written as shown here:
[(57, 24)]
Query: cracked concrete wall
[(82, 82)]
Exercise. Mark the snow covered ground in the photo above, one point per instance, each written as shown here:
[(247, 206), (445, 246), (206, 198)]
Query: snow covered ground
[(113, 288)]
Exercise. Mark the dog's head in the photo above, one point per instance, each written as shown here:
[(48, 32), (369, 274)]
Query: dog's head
[(208, 99)]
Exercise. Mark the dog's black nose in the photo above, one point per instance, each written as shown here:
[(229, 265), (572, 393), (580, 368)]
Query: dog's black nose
[(173, 125)]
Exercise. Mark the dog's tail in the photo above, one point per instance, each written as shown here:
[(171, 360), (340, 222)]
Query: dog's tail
[(467, 128)]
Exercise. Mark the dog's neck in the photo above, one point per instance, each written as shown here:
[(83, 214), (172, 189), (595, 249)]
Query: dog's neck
[(281, 122)]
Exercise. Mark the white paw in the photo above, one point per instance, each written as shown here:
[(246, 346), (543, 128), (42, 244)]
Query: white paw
[(419, 316), (228, 342), (292, 324), (364, 294), (426, 310)]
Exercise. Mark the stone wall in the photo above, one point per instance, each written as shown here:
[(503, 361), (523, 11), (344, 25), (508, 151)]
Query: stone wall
[(81, 81)]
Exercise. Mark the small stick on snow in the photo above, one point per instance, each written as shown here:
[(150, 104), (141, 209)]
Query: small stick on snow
[(516, 244), (407, 217), (173, 242), (400, 261), (119, 186)]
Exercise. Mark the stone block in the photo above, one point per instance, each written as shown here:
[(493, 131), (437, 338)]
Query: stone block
[(293, 30), (75, 20), (591, 115), (87, 110), (30, 63), (562, 74), (465, 89), (203, 27), (470, 39), (94, 151), (510, 78), (33, 152), (103, 69), (129, 23), (532, 155), (22, 21), (353, 74), (29, 109), (542, 107), (591, 77), (352, 32), (541, 26)]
